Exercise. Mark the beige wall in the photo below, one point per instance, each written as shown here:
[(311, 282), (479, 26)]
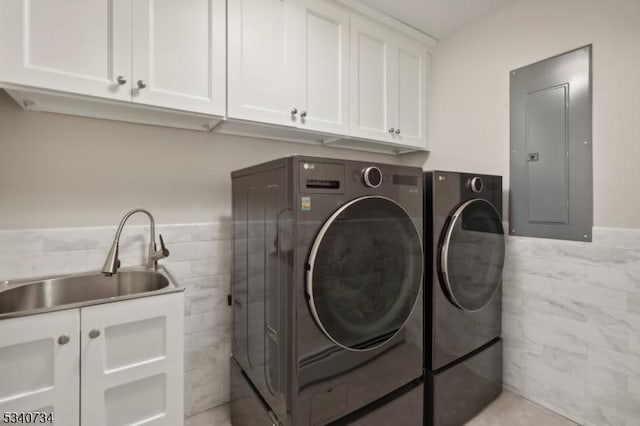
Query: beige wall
[(61, 171), (470, 91), (58, 171)]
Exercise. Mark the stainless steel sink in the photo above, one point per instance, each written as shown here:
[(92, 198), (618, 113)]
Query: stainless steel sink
[(18, 298)]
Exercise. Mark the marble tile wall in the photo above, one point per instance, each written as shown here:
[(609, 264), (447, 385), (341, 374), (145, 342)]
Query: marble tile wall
[(571, 325), (200, 260), (571, 319)]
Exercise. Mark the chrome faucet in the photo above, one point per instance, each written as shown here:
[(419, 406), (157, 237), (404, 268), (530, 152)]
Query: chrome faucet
[(112, 263)]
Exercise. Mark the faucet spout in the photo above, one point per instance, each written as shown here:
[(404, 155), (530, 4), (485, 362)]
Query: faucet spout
[(112, 263)]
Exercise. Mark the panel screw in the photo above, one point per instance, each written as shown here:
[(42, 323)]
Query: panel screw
[(586, 143), (586, 237), (513, 231), (513, 73)]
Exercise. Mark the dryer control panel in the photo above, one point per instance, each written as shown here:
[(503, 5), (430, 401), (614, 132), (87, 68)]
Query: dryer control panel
[(321, 178)]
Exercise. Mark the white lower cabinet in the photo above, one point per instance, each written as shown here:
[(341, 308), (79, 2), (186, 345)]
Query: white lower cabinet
[(40, 366), (132, 362), (114, 364)]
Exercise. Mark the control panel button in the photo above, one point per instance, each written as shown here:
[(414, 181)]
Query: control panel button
[(372, 177), (476, 184)]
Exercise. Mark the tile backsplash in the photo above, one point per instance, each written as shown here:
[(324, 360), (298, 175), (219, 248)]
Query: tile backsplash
[(571, 318), (200, 260), (571, 325)]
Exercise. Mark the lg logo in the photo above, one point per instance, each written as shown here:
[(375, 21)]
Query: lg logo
[(308, 166)]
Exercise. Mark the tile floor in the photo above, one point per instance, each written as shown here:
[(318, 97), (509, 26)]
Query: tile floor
[(513, 410), (218, 416), (508, 410)]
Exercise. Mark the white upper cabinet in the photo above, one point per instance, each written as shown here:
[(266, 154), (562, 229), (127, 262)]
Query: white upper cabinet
[(164, 53), (39, 360), (323, 66), (334, 72), (371, 94), (388, 85), (409, 82), (179, 54), (77, 46), (261, 62), (288, 63)]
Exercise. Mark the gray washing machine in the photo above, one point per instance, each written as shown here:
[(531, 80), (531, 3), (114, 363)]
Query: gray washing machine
[(327, 293), (464, 258)]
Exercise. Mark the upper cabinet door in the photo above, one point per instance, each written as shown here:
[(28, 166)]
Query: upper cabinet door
[(179, 51), (133, 363), (409, 75), (78, 46), (40, 366), (370, 82), (324, 66), (261, 61)]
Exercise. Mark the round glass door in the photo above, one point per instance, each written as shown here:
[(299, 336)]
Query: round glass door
[(365, 273), (472, 255)]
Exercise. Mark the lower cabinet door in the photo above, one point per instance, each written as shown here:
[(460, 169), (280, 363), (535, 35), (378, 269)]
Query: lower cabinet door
[(132, 362), (39, 369)]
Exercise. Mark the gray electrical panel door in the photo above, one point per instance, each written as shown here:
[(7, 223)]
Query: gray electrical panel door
[(551, 190)]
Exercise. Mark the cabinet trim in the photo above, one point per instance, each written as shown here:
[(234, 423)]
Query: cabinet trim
[(387, 20), (45, 100)]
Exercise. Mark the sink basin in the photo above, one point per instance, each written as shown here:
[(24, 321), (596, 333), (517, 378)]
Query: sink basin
[(63, 292)]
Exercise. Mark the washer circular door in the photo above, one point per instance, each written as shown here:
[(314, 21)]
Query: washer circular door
[(472, 255), (365, 273)]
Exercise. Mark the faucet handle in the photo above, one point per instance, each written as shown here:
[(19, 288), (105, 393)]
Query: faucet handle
[(163, 249), (155, 255)]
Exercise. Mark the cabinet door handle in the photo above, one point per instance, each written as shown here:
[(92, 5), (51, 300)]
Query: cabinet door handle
[(64, 339), (303, 114), (294, 111), (121, 80), (397, 132), (94, 333), (141, 84), (391, 130)]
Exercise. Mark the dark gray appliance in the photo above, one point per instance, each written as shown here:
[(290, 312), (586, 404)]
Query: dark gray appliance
[(327, 293), (464, 258)]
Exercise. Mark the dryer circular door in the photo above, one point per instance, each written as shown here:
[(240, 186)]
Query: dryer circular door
[(365, 273), (472, 255)]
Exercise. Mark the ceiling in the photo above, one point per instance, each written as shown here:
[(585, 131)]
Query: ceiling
[(438, 18)]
